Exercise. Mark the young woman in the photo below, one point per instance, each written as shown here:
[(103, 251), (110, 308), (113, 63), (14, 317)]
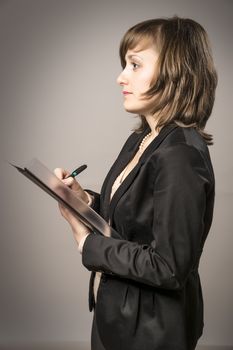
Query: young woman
[(158, 196)]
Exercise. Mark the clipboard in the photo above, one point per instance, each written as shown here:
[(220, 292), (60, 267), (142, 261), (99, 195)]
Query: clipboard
[(40, 175)]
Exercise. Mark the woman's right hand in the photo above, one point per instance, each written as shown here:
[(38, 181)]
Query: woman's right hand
[(72, 183)]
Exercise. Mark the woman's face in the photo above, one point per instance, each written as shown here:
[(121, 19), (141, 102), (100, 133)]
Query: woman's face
[(136, 79)]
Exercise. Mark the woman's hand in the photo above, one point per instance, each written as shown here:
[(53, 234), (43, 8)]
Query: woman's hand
[(78, 228), (72, 183)]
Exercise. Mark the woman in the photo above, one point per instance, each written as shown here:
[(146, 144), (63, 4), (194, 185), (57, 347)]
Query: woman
[(158, 196)]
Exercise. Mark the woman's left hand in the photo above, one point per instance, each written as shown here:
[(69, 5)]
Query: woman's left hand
[(78, 228)]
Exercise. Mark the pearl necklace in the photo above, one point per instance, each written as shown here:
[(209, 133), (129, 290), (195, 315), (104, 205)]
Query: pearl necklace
[(120, 178), (142, 144)]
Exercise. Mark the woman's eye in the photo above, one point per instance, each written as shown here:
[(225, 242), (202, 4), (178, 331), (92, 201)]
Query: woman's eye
[(134, 65)]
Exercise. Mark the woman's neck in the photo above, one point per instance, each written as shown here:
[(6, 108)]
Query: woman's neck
[(152, 124)]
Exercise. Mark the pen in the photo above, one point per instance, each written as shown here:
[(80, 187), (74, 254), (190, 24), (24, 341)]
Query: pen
[(77, 171)]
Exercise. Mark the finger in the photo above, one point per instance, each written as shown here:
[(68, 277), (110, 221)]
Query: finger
[(69, 181), (62, 209), (60, 173), (72, 183)]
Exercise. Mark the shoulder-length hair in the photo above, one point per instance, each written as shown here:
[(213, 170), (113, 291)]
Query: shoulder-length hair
[(183, 89)]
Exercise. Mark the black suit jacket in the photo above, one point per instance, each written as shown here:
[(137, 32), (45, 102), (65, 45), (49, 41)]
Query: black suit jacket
[(150, 294)]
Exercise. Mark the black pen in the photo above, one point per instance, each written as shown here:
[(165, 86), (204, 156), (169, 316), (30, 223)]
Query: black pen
[(77, 171)]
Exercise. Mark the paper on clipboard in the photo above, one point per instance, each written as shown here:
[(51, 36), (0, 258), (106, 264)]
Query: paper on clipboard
[(48, 181)]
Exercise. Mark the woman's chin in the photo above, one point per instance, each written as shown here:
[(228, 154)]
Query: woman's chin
[(131, 109)]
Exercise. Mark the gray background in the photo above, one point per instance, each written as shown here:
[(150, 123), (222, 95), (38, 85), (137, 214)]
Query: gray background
[(60, 102)]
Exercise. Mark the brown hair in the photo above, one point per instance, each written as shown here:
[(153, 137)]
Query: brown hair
[(183, 89)]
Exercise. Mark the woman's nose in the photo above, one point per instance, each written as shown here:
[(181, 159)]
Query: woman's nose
[(121, 79)]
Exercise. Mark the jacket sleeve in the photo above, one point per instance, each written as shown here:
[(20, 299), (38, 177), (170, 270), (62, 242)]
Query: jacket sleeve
[(179, 198)]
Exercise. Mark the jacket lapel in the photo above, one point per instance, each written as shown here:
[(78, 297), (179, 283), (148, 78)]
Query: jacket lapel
[(121, 162), (125, 160)]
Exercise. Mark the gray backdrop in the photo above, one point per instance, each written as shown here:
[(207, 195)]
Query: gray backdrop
[(60, 102)]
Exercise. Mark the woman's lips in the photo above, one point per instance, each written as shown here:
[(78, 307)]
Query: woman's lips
[(126, 93)]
